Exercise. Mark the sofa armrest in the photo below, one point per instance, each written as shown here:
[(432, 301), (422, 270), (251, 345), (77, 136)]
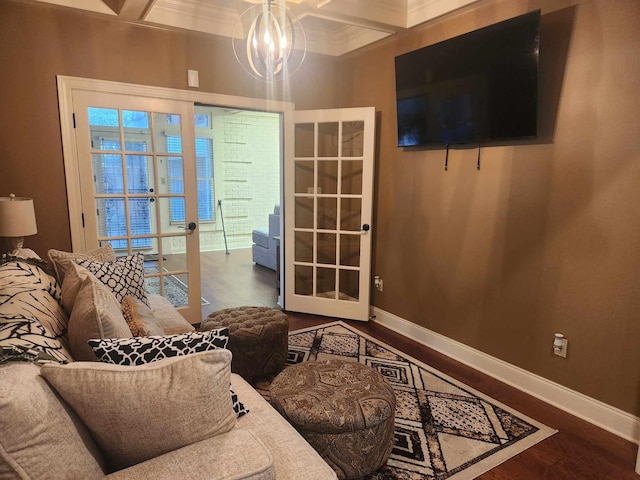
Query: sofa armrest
[(237, 454), (293, 457), (274, 225)]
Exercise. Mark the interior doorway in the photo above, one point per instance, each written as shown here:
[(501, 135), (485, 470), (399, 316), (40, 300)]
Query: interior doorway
[(238, 163)]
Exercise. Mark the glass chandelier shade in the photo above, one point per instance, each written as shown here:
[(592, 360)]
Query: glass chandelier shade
[(268, 42)]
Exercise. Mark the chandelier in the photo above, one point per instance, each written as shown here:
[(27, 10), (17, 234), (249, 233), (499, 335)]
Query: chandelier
[(269, 42)]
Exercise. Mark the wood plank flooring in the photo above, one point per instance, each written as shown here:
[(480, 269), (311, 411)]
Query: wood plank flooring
[(579, 451)]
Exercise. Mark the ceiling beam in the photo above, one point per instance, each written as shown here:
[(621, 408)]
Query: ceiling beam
[(130, 9), (351, 14)]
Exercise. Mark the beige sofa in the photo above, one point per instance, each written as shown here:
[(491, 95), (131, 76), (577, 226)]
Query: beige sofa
[(42, 437)]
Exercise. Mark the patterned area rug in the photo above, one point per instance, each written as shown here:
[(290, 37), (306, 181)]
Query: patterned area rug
[(443, 428), (175, 289)]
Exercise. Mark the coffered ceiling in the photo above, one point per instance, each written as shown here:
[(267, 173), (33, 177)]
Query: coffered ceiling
[(332, 27)]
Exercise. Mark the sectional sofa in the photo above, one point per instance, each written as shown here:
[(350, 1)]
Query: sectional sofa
[(64, 415)]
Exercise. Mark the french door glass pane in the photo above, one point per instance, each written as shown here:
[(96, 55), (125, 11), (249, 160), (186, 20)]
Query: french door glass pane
[(304, 212), (327, 177), (326, 248), (352, 139), (161, 139), (351, 177), (349, 285), (304, 176), (103, 117), (325, 282), (351, 214), (304, 140), (304, 247), (350, 250), (107, 173), (328, 139), (327, 213), (304, 280), (135, 119)]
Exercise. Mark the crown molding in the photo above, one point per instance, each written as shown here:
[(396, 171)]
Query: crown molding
[(363, 21), (194, 15), (421, 11)]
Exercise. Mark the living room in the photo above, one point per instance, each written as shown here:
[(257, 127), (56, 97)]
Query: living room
[(543, 239)]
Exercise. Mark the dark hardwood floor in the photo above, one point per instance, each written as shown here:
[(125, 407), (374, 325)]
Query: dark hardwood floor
[(579, 451)]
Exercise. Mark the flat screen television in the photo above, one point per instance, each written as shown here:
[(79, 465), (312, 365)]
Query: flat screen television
[(477, 88)]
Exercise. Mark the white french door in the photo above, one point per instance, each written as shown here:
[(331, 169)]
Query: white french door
[(328, 179), (137, 170)]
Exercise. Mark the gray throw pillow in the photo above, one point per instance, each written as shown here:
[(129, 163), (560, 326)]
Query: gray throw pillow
[(136, 413)]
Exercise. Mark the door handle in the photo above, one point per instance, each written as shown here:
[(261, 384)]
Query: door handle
[(191, 227)]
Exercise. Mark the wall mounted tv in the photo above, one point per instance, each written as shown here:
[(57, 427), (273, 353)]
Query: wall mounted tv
[(478, 88)]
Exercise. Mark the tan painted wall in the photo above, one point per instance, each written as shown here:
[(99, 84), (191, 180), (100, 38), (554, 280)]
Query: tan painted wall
[(546, 237), (38, 42)]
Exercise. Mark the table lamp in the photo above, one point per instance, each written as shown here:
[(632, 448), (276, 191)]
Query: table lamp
[(17, 220)]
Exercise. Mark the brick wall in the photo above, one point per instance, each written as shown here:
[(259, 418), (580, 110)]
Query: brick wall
[(247, 176)]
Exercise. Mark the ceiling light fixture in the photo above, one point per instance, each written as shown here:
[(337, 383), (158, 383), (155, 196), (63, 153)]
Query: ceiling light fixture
[(269, 42)]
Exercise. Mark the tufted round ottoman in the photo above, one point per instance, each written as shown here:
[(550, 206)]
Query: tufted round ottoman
[(257, 338), (345, 410)]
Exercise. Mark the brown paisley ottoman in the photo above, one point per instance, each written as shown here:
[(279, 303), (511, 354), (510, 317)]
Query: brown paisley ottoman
[(258, 339), (345, 410)]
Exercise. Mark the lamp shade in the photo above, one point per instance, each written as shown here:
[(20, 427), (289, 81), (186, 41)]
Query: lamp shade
[(17, 217)]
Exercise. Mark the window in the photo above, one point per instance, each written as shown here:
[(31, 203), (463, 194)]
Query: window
[(112, 182), (204, 173)]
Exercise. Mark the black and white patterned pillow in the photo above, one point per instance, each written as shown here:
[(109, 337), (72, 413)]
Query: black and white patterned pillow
[(21, 334), (31, 314), (124, 276), (143, 350)]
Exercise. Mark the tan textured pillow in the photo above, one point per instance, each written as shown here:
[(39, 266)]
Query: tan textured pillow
[(140, 318), (168, 317), (137, 413), (40, 437), (73, 277), (96, 314), (62, 260)]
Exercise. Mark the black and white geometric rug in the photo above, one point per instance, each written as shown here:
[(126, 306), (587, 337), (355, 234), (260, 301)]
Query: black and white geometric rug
[(444, 429)]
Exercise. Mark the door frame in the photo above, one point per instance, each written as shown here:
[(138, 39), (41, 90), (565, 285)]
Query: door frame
[(66, 86)]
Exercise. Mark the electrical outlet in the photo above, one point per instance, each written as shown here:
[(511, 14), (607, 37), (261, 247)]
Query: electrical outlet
[(377, 282), (560, 345)]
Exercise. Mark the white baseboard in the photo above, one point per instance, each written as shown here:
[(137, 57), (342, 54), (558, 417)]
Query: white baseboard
[(593, 411)]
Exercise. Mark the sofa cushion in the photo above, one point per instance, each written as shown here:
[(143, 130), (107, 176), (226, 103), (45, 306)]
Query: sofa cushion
[(124, 276), (237, 454), (96, 314), (140, 318), (139, 412), (62, 260), (143, 350), (168, 317), (41, 437), (30, 310), (260, 236)]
